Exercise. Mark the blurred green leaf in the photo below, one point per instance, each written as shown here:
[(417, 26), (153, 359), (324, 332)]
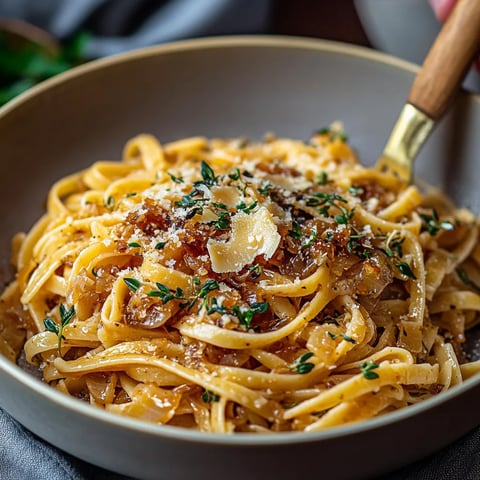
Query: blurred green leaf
[(16, 88), (21, 68)]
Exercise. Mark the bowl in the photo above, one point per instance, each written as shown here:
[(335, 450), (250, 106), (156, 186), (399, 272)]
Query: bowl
[(232, 86)]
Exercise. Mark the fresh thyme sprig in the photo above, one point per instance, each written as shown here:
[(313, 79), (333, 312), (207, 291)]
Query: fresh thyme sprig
[(433, 225), (247, 208), (405, 269), (393, 248), (325, 201), (296, 231), (165, 293), (132, 283), (255, 270), (322, 178), (334, 336), (66, 317), (208, 396), (333, 134), (245, 314), (208, 174), (300, 365), (174, 178), (367, 369)]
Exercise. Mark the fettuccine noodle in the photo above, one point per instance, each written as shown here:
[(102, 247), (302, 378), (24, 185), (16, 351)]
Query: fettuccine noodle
[(229, 286)]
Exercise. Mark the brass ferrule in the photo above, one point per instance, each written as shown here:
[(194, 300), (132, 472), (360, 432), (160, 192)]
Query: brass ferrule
[(408, 135)]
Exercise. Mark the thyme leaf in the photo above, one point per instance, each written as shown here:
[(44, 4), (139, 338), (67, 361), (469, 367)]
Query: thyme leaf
[(174, 178), (208, 174), (247, 208), (296, 231), (132, 283), (66, 316), (234, 173), (322, 178), (301, 366), (334, 336), (245, 315), (432, 223), (405, 269), (366, 368), (208, 396)]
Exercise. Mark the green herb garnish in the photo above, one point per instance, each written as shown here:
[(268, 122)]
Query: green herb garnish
[(174, 178), (160, 245), (223, 222), (327, 200), (208, 174), (432, 224), (355, 246), (247, 208), (203, 291), (134, 245), (301, 365), (215, 307), (234, 173), (132, 283), (334, 336), (110, 202), (165, 293), (245, 315), (296, 231), (65, 318), (345, 216), (322, 178), (265, 189), (367, 370), (355, 190), (256, 270), (406, 270), (309, 241), (188, 201), (208, 396), (393, 245), (26, 64), (334, 134)]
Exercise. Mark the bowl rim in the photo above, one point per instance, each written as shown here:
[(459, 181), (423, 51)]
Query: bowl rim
[(165, 431)]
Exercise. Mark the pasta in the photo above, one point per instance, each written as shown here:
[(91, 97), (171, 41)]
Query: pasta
[(230, 286)]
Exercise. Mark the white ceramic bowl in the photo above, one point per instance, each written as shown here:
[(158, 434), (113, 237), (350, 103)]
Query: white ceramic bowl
[(225, 87)]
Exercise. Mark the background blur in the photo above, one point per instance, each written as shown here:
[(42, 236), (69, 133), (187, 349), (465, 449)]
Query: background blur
[(39, 39)]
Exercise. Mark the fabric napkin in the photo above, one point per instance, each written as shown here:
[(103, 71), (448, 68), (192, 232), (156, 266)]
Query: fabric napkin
[(24, 456)]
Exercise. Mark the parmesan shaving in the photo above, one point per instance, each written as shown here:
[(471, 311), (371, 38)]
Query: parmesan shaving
[(252, 235)]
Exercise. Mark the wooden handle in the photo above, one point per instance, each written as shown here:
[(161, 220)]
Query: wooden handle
[(448, 60)]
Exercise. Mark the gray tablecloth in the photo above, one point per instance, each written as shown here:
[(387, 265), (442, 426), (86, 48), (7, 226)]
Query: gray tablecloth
[(24, 456)]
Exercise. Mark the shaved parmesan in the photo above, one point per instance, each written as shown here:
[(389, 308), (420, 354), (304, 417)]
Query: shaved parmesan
[(252, 235), (229, 196)]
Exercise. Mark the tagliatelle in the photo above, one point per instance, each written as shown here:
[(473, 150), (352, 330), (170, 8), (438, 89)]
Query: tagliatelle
[(230, 286)]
